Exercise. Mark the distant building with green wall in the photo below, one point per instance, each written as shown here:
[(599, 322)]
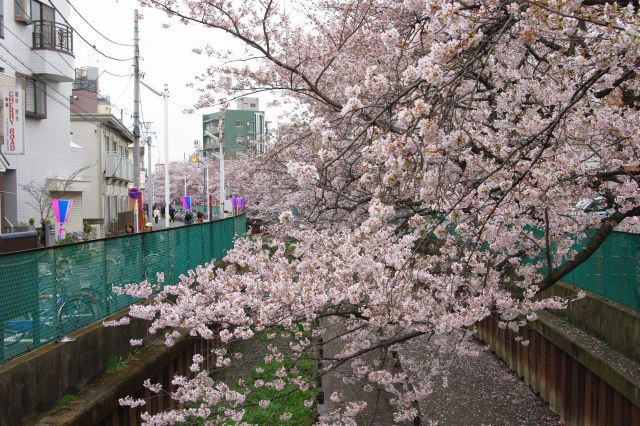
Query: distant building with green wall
[(243, 128)]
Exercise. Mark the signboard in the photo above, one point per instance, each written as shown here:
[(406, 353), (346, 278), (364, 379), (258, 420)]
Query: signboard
[(186, 202), (13, 142), (61, 210), (134, 193), (193, 159), (237, 205)]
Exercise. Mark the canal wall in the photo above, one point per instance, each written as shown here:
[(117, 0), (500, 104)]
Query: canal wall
[(583, 361)]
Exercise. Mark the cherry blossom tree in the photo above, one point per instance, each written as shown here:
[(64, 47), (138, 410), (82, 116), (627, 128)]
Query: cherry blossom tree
[(188, 179), (427, 179)]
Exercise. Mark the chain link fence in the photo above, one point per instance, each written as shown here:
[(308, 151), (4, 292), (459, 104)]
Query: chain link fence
[(48, 293), (613, 271)]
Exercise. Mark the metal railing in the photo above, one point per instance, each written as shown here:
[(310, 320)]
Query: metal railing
[(53, 36), (48, 293)]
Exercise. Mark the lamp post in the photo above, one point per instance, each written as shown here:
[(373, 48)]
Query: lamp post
[(167, 186), (201, 159), (220, 157)]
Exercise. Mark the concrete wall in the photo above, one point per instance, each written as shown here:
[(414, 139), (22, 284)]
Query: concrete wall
[(98, 404), (35, 382), (615, 324)]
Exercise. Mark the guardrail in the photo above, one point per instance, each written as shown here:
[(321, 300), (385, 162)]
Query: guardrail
[(48, 293)]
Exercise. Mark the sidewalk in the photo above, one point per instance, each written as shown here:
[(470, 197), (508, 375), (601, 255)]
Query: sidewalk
[(160, 224)]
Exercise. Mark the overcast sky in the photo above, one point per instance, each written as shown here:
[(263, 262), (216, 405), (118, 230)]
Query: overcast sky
[(166, 57)]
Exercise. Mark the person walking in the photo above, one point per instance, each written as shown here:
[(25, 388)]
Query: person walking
[(156, 214), (172, 214)]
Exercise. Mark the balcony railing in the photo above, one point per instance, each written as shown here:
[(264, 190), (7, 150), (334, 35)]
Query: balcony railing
[(53, 36), (118, 167)]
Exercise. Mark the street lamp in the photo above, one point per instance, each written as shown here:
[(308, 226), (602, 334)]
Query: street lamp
[(165, 96), (195, 159), (220, 157)]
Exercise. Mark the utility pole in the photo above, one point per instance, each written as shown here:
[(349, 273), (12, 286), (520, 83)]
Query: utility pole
[(150, 202), (165, 97), (167, 199), (207, 213), (136, 116), (221, 154)]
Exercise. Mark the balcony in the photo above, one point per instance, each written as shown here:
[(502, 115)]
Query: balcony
[(118, 167), (52, 51)]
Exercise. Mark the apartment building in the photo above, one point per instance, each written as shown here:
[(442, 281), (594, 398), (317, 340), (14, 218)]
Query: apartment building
[(36, 73), (243, 128), (107, 145)]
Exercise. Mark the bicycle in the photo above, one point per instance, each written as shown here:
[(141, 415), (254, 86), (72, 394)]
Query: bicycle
[(57, 313)]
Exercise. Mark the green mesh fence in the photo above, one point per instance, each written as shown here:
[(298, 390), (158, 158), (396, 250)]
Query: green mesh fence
[(613, 271), (48, 293)]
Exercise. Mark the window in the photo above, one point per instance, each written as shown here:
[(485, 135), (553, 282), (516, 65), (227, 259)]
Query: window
[(22, 11), (46, 33), (253, 105), (42, 12), (238, 123), (35, 97)]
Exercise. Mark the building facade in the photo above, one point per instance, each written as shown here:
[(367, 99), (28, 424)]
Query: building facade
[(36, 72), (107, 145), (243, 128)]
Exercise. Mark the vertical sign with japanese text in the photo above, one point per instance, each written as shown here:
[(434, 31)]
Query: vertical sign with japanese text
[(13, 142)]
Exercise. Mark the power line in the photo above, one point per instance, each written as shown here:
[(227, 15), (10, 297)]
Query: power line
[(85, 115), (84, 39), (115, 75), (49, 63), (95, 29), (124, 91)]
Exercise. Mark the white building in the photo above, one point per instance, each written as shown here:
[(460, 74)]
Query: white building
[(106, 143), (36, 72)]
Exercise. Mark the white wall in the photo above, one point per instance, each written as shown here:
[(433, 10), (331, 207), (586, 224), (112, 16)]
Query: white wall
[(87, 135), (47, 152)]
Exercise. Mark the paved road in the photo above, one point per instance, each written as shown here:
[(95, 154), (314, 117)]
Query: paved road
[(160, 224)]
